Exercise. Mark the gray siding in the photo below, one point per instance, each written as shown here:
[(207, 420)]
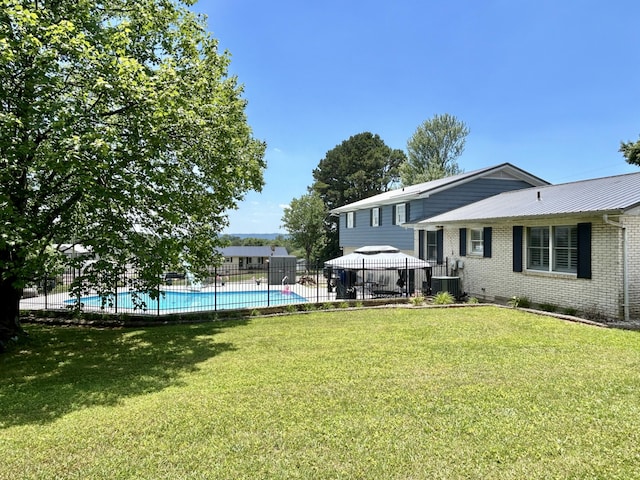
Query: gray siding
[(464, 195), (402, 238), (385, 234)]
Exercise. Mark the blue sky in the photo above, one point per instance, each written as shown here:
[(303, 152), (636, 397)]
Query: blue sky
[(551, 86)]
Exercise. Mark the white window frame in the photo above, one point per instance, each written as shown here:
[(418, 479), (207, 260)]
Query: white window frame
[(476, 241), (375, 217), (554, 249), (351, 219), (401, 213)]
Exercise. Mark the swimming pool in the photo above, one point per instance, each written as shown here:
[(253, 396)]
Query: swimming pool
[(186, 301)]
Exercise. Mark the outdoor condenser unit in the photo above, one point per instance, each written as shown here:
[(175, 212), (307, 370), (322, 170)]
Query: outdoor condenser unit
[(446, 284)]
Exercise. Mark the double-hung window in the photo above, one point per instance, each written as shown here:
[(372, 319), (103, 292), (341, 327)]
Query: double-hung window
[(477, 241), (351, 219), (432, 245), (375, 217), (401, 213)]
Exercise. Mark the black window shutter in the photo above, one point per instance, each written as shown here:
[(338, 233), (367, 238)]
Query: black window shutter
[(421, 244), (439, 247), (393, 214), (463, 242), (407, 212), (354, 219), (517, 248), (486, 242), (584, 250)]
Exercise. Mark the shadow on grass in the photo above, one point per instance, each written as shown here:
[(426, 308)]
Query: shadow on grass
[(62, 369)]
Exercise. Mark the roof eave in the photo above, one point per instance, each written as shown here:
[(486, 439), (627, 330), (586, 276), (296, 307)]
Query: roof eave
[(518, 218)]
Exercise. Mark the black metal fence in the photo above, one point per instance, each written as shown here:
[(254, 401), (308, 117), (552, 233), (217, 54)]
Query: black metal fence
[(231, 287)]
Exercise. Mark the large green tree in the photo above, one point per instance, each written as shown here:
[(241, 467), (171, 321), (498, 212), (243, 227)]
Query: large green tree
[(304, 220), (631, 152), (433, 150), (120, 129), (358, 168)]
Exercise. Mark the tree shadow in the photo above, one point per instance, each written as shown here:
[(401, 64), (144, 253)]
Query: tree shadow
[(59, 370)]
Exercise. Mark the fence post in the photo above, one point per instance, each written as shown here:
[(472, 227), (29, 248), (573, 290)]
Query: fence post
[(158, 298), (363, 280), (215, 288), (115, 300), (46, 284)]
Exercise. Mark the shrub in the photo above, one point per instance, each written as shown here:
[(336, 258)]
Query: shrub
[(519, 302), (594, 313), (417, 300), (443, 298), (548, 307), (473, 300)]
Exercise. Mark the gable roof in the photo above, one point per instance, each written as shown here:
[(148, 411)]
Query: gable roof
[(253, 251), (422, 190), (609, 195)]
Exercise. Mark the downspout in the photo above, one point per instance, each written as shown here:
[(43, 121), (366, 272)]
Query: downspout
[(625, 268)]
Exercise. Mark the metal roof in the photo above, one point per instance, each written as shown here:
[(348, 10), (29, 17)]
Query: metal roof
[(420, 190), (615, 194)]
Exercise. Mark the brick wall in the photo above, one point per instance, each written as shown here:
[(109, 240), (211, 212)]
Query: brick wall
[(494, 278)]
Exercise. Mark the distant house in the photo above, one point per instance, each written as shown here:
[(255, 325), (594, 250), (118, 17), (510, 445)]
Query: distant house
[(250, 257), (386, 218), (574, 246)]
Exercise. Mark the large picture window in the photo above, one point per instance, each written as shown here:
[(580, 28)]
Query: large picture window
[(553, 249)]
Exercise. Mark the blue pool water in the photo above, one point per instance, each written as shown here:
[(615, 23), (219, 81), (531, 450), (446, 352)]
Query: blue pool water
[(196, 301)]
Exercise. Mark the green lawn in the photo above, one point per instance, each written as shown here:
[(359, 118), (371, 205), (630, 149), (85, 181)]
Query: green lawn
[(471, 393)]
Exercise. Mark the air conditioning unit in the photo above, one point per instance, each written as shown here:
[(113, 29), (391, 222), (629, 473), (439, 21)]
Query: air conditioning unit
[(446, 284)]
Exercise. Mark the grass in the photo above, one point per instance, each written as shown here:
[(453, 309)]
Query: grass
[(392, 393)]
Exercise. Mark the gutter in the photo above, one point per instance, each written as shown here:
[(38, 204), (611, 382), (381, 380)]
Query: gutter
[(625, 267)]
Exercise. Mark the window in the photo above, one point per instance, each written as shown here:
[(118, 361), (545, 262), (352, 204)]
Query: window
[(553, 249), (477, 241), (375, 217), (432, 245), (351, 219), (565, 251), (401, 213)]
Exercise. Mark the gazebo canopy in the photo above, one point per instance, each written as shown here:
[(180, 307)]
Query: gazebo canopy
[(377, 257)]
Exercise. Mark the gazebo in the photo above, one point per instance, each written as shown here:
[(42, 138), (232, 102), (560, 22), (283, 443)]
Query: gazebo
[(394, 269)]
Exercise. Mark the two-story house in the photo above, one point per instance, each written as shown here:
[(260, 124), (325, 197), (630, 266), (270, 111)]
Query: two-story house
[(387, 218)]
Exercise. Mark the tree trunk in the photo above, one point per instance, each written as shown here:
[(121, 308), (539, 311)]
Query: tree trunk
[(9, 312)]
